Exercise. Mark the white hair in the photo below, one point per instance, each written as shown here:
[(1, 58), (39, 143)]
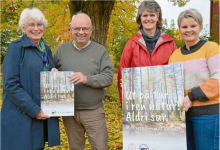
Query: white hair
[(82, 14), (33, 13)]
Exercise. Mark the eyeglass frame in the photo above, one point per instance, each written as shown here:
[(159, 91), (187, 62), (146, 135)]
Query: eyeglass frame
[(33, 25), (84, 29)]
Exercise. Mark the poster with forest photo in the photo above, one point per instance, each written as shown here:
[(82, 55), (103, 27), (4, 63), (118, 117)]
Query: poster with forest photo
[(153, 115), (57, 93)]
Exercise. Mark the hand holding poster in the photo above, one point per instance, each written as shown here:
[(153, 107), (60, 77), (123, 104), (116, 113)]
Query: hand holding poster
[(57, 93), (153, 116)]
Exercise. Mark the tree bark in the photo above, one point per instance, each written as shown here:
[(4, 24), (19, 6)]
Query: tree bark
[(99, 12)]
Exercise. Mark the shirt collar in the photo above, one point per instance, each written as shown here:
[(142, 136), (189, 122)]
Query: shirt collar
[(83, 46)]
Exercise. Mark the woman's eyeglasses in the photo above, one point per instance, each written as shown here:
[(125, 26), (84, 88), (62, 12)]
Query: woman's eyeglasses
[(32, 25)]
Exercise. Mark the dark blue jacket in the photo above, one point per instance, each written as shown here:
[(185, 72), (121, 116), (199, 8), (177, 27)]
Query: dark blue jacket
[(20, 130)]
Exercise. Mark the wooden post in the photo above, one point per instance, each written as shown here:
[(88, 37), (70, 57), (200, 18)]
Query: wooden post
[(214, 21)]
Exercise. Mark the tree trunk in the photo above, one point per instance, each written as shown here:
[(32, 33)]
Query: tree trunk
[(214, 21), (99, 12)]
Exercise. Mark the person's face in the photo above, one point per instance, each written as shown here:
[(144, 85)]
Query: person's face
[(34, 30), (149, 21), (189, 30), (81, 30)]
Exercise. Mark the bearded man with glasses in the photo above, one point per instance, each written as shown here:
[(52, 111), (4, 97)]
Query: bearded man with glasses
[(93, 71)]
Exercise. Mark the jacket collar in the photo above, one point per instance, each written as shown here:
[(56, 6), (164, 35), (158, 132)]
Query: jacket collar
[(163, 38), (140, 38), (25, 41)]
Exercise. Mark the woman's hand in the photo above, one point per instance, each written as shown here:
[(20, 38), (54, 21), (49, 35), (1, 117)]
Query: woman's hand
[(53, 70), (41, 116), (187, 103)]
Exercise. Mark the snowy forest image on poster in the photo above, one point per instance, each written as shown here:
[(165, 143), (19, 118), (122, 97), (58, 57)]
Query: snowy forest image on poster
[(57, 93), (153, 115)]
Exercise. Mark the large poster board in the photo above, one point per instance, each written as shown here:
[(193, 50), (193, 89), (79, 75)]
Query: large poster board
[(57, 93), (153, 115)]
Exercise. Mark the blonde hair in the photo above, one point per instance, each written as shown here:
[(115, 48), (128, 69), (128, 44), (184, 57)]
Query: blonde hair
[(193, 13)]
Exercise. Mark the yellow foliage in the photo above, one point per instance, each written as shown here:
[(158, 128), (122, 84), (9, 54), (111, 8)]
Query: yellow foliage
[(216, 1), (56, 12), (177, 34), (122, 26)]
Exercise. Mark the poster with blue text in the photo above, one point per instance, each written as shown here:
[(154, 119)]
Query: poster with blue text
[(153, 115), (57, 93)]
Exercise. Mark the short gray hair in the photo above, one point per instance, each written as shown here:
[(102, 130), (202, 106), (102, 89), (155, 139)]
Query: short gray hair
[(82, 14), (151, 6), (193, 13), (33, 13)]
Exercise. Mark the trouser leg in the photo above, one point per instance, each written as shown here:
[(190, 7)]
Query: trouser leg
[(95, 127), (75, 132)]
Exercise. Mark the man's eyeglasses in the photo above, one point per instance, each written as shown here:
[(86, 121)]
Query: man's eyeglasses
[(77, 29), (32, 25)]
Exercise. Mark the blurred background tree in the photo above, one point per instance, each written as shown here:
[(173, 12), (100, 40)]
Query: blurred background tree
[(214, 21), (114, 22), (99, 12)]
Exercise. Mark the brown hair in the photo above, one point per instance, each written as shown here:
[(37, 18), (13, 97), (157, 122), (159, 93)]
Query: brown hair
[(151, 6)]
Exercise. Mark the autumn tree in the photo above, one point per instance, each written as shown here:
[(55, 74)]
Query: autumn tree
[(214, 21), (122, 26), (61, 12), (99, 12), (180, 3), (56, 12), (9, 17)]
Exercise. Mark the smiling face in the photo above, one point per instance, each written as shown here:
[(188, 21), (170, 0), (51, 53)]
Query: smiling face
[(149, 22), (81, 30), (34, 30), (189, 30)]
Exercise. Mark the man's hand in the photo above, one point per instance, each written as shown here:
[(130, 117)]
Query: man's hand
[(53, 70), (187, 103), (42, 116), (78, 77)]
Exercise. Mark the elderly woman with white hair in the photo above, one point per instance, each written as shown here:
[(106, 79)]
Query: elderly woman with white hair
[(200, 59), (24, 126)]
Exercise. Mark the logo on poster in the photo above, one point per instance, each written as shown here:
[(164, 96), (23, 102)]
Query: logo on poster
[(143, 147), (53, 112), (131, 147), (47, 112)]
